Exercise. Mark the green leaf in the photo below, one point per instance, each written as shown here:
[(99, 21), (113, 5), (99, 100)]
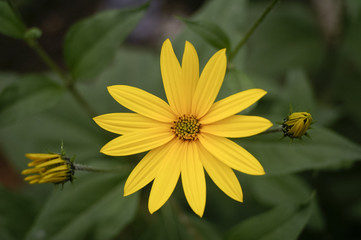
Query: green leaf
[(179, 225), (283, 189), (279, 43), (299, 91), (91, 44), (296, 94), (10, 24), (205, 228), (326, 149), (234, 82), (210, 32), (16, 215), (31, 94), (282, 222), (93, 206), (277, 190), (353, 8), (229, 15), (356, 211)]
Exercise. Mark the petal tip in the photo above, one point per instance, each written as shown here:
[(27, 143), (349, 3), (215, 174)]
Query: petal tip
[(189, 44), (260, 172), (127, 190), (199, 212), (111, 89), (238, 196), (262, 91), (95, 119), (125, 193), (151, 208), (166, 43), (223, 52), (103, 150)]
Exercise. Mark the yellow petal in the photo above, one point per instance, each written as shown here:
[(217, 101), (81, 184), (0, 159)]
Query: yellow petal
[(190, 75), (51, 162), (298, 129), (41, 156), (122, 123), (167, 177), (63, 169), (137, 142), (32, 179), (32, 170), (232, 105), (209, 83), (62, 175), (142, 102), (53, 180), (221, 174), (193, 180), (237, 126), (146, 170), (231, 154), (171, 75)]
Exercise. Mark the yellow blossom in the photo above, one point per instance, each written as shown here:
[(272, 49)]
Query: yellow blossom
[(187, 135), (297, 124), (48, 168)]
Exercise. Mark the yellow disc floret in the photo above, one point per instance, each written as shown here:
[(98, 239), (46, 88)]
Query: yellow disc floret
[(186, 127)]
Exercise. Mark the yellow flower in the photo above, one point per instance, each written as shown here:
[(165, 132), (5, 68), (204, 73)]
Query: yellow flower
[(186, 135), (48, 168), (297, 124)]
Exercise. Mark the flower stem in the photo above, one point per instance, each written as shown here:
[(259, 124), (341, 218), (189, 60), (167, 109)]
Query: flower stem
[(273, 130), (252, 29), (68, 81), (81, 100), (81, 167), (34, 44)]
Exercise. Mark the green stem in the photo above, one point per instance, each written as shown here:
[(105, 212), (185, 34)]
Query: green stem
[(34, 44), (81, 167), (68, 81), (81, 100), (273, 130), (252, 29)]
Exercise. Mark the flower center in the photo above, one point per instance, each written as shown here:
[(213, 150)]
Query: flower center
[(186, 127)]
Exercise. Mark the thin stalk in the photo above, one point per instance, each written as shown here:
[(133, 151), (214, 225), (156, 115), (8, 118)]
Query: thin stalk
[(252, 29), (81, 100), (68, 81), (34, 44), (81, 167), (273, 130)]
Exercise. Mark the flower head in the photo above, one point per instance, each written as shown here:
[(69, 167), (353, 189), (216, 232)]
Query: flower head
[(186, 135), (297, 124), (48, 168)]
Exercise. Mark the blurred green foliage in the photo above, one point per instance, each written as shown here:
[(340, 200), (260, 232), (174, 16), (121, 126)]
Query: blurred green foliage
[(312, 187)]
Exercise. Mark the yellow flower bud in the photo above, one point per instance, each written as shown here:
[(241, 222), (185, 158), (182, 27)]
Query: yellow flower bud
[(48, 168), (297, 124)]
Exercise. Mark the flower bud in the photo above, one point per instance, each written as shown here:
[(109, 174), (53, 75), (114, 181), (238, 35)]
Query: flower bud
[(48, 168), (297, 124)]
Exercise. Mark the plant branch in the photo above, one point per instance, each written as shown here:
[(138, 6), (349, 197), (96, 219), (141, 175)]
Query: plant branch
[(251, 30), (81, 167), (68, 81), (273, 130)]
